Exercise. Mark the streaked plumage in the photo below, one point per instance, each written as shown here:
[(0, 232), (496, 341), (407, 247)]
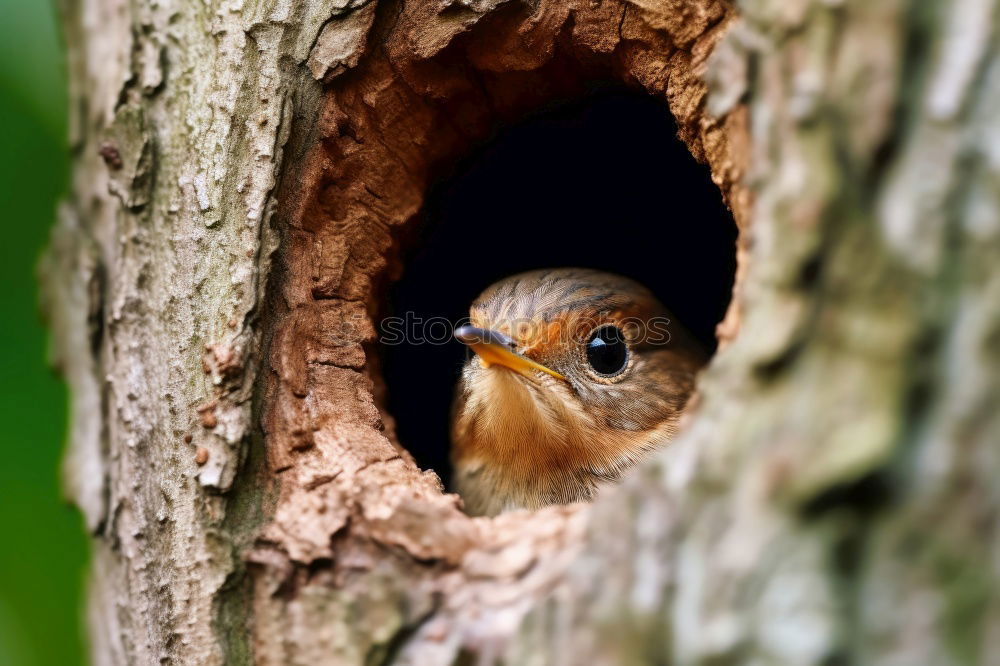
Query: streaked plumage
[(540, 425)]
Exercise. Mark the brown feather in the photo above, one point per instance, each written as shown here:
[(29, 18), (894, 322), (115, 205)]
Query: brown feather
[(525, 442)]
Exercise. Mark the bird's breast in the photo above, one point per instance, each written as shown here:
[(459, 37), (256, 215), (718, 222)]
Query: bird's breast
[(519, 443)]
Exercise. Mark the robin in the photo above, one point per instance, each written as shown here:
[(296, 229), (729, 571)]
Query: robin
[(577, 374)]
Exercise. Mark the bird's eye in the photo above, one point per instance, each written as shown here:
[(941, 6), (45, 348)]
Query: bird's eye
[(607, 352)]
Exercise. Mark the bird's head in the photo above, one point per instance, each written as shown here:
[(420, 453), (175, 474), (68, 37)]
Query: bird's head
[(576, 373)]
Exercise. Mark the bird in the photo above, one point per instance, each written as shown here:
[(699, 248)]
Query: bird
[(576, 375)]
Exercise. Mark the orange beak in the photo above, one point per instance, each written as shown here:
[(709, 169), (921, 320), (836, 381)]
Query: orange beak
[(495, 348)]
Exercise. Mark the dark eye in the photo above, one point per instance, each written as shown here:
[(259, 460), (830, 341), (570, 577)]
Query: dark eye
[(606, 351)]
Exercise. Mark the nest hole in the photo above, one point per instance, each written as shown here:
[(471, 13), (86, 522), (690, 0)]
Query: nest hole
[(601, 182)]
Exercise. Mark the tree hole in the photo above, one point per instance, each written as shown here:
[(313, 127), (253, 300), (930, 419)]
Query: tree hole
[(601, 182)]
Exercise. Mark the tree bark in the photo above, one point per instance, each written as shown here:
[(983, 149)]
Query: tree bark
[(242, 176)]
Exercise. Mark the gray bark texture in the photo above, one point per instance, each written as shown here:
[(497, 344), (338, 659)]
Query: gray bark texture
[(243, 173)]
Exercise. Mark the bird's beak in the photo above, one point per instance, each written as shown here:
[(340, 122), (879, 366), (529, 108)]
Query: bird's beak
[(494, 347)]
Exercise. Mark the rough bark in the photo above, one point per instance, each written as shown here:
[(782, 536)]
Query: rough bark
[(244, 176)]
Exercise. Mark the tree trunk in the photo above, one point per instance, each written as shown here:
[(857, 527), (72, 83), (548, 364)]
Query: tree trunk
[(243, 172)]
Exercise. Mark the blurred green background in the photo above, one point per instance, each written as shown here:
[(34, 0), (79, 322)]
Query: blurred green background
[(42, 548)]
